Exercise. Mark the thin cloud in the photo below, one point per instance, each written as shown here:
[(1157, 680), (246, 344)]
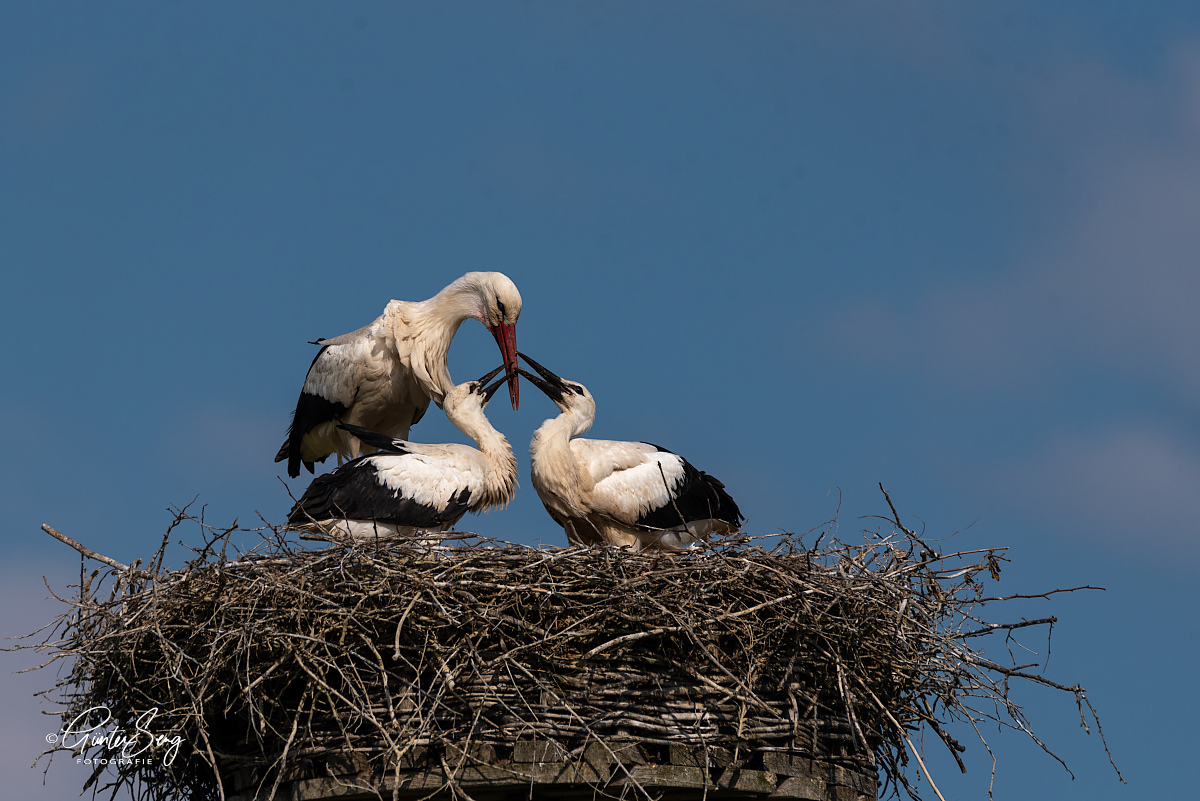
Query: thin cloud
[(28, 606), (1131, 486), (1119, 284), (1113, 288), (230, 438)]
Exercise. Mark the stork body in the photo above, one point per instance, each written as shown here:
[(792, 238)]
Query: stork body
[(382, 377), (630, 494), (406, 487)]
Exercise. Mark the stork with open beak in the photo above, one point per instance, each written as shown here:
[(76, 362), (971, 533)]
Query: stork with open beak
[(383, 376), (629, 494), (407, 488)]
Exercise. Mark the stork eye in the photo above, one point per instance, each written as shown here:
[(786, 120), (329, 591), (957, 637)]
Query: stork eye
[(578, 390), (500, 306)]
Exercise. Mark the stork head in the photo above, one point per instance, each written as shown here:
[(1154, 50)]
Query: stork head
[(473, 395), (499, 308), (464, 407), (568, 396)]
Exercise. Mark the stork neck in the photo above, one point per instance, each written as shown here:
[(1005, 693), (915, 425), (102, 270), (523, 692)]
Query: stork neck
[(473, 423), (501, 462), (555, 472), (431, 326), (579, 419), (555, 434)]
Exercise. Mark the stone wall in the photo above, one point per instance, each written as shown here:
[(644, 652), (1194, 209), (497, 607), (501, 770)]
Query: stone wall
[(542, 769)]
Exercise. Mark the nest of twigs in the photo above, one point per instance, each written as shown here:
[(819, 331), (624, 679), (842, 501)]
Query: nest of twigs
[(284, 655)]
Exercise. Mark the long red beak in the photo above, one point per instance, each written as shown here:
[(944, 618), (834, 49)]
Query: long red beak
[(506, 338)]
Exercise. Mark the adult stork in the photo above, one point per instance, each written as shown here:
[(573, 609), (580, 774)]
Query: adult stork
[(630, 494), (407, 487), (382, 377)]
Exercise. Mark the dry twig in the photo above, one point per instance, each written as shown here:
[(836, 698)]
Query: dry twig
[(285, 657)]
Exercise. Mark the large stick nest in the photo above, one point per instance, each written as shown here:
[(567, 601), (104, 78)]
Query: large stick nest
[(284, 655)]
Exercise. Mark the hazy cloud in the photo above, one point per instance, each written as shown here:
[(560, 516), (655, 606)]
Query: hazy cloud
[(1130, 485), (1114, 287), (229, 438), (50, 100), (27, 607), (1117, 286)]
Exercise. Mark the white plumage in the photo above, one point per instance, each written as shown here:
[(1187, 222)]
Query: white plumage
[(382, 376), (408, 487), (630, 494)]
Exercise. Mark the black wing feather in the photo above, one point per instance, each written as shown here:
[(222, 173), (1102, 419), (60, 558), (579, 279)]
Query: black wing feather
[(698, 496), (353, 492), (311, 411), (376, 440)]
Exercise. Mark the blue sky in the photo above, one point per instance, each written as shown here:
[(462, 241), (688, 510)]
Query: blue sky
[(811, 246)]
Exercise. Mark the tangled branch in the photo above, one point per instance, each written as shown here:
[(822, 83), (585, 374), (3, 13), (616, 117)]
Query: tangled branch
[(276, 663)]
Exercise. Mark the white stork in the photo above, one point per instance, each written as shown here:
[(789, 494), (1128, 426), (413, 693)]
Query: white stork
[(383, 376), (630, 494), (408, 487)]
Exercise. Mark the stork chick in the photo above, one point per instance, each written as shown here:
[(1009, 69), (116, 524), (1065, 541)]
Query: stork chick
[(407, 487), (630, 494), (383, 376)]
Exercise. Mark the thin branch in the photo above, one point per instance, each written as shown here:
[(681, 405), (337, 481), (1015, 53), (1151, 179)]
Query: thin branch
[(89, 553)]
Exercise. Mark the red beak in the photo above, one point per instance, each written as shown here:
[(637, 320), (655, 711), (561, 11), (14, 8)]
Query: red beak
[(506, 338)]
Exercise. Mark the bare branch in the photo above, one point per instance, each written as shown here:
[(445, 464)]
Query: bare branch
[(278, 662)]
